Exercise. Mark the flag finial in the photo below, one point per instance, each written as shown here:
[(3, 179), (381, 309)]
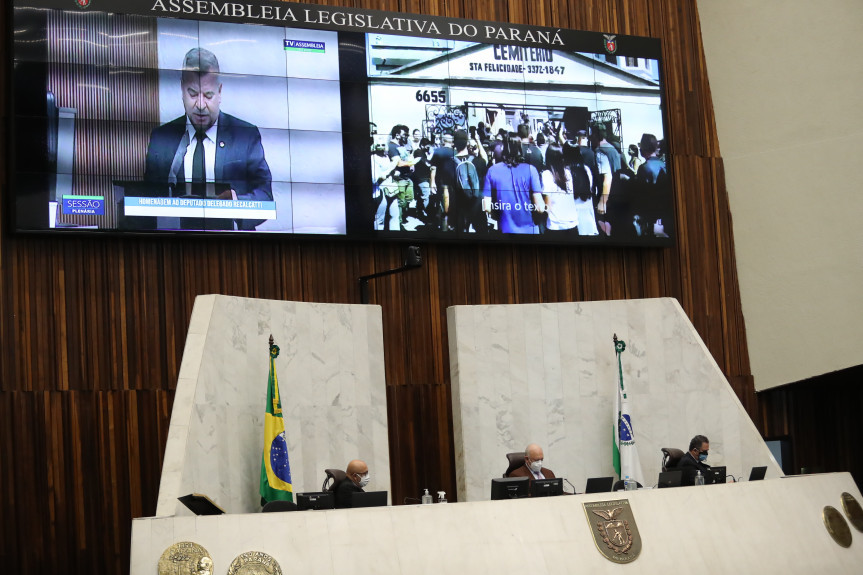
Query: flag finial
[(619, 345)]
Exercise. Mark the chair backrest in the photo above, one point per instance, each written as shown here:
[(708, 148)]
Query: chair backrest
[(514, 461), (275, 506), (334, 477), (670, 457)]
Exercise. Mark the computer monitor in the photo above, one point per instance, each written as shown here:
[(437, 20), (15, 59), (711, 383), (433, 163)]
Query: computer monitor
[(369, 499), (715, 475), (509, 488), (315, 500), (670, 478), (546, 487), (599, 484), (758, 473)]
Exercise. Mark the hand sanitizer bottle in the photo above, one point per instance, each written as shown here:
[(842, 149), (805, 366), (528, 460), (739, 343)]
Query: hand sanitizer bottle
[(699, 479), (427, 498)]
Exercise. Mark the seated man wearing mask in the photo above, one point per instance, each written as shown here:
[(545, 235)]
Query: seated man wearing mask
[(532, 467), (693, 461), (358, 477)]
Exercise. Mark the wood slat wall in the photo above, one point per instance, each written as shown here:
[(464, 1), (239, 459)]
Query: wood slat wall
[(92, 330), (105, 149), (820, 417)]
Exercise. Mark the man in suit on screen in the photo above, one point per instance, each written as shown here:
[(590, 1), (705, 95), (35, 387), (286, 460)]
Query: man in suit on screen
[(207, 145)]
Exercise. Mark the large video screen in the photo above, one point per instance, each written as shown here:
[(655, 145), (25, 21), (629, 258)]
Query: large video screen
[(217, 117)]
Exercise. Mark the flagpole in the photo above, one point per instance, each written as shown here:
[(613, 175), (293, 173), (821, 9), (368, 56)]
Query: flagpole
[(619, 348), (615, 444), (625, 450), (276, 484)]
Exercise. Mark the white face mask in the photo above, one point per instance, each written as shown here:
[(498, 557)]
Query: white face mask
[(364, 480), (536, 466)]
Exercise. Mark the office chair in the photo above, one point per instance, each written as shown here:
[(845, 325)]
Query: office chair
[(276, 506), (515, 460), (670, 458), (334, 477)]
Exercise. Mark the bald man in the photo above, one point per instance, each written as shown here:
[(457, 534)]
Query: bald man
[(532, 467), (358, 477)]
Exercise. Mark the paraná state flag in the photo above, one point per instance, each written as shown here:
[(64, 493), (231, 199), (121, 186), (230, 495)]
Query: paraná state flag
[(624, 453), (275, 467)]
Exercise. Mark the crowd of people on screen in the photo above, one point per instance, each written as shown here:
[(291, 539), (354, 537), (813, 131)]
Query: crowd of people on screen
[(569, 183)]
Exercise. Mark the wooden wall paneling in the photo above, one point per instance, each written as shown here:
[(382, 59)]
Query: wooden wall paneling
[(10, 491), (707, 293), (91, 461), (439, 347), (552, 274), (820, 416), (27, 506), (420, 453), (498, 280), (419, 313)]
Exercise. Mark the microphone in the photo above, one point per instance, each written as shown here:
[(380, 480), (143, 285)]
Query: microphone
[(179, 156), (574, 490)]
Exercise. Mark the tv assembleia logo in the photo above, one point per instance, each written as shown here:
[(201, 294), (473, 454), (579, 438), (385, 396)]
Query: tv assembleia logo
[(83, 4), (305, 46)]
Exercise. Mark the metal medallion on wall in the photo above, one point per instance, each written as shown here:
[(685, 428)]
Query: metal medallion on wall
[(852, 510), (185, 558), (836, 526), (254, 563), (614, 530)]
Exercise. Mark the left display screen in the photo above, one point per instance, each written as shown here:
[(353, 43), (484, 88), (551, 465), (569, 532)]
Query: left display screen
[(133, 123)]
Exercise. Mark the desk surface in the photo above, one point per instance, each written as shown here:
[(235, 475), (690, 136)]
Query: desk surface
[(772, 526)]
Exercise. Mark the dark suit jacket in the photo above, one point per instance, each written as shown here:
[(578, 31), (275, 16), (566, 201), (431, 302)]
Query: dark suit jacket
[(344, 491), (523, 471), (239, 160), (690, 467)]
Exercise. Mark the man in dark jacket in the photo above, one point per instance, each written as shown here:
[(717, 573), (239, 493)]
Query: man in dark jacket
[(693, 461), (357, 478)]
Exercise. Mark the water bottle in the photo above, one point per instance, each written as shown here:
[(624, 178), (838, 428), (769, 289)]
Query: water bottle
[(427, 498), (699, 479), (629, 484)]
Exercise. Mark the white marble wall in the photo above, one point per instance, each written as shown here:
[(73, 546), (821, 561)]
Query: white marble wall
[(331, 379), (547, 373), (766, 527)]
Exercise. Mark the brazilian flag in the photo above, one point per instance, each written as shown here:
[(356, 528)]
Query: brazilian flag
[(275, 467)]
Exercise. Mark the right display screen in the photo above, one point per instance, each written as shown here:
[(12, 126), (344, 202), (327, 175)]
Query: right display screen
[(506, 141)]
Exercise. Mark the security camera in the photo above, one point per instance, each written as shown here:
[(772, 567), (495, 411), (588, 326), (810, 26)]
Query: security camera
[(413, 257)]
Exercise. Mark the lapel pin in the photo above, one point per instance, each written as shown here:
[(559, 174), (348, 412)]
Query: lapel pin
[(221, 144)]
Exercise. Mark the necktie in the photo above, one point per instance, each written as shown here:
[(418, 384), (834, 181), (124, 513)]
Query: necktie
[(198, 170)]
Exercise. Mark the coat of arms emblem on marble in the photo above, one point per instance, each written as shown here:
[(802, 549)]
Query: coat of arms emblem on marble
[(614, 530)]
